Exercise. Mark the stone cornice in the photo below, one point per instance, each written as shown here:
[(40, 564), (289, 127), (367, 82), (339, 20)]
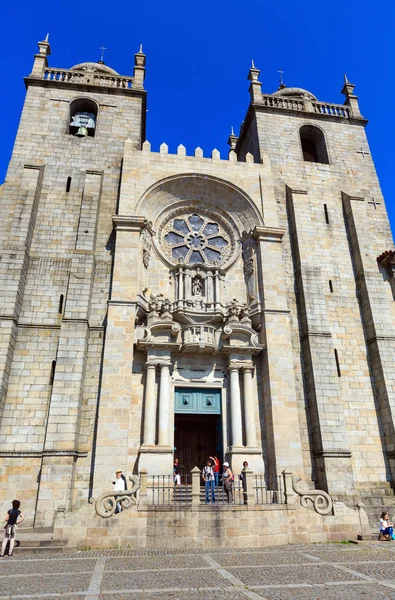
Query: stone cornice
[(41, 453), (128, 223), (268, 234), (333, 453), (84, 87)]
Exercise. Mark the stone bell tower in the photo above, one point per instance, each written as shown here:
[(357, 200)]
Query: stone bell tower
[(56, 259), (339, 281)]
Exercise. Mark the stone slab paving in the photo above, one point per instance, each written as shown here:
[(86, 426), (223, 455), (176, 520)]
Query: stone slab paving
[(299, 572)]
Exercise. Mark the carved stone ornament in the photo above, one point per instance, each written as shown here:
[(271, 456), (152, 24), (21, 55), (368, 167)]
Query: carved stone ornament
[(248, 253), (106, 503), (322, 502), (146, 243)]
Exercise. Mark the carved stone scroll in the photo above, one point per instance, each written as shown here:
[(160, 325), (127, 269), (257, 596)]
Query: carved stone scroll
[(322, 502), (106, 503)]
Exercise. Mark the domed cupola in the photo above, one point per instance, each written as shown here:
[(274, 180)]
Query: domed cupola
[(294, 92), (94, 67)]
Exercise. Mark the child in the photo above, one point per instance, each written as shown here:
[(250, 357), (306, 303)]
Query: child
[(11, 521)]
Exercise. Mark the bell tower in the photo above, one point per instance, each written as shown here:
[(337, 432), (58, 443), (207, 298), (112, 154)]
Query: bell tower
[(56, 248)]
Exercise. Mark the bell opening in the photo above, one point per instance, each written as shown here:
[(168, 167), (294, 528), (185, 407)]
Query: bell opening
[(83, 113)]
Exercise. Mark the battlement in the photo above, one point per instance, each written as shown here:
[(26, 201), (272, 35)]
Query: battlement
[(215, 154)]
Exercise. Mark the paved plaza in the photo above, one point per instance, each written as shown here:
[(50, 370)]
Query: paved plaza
[(309, 572)]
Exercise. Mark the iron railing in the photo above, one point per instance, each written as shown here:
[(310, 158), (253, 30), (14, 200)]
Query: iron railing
[(164, 491)]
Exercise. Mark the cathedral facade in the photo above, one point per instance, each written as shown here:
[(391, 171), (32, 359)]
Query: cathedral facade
[(156, 306)]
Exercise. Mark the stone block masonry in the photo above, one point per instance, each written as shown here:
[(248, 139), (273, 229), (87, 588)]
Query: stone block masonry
[(155, 305)]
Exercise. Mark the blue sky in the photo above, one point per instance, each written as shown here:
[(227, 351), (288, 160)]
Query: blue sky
[(198, 56)]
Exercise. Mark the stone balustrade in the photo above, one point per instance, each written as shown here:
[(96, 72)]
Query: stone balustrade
[(87, 77), (200, 334), (306, 105), (334, 110), (283, 102)]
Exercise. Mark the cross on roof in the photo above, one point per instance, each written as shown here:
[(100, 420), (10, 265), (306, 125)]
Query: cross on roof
[(363, 152), (102, 48), (375, 204), (281, 76)]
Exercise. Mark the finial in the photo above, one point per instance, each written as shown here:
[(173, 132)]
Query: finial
[(141, 48), (252, 64), (47, 38), (232, 141), (345, 79), (103, 49), (281, 73)]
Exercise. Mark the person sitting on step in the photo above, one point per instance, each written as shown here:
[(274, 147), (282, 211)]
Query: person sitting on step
[(386, 528)]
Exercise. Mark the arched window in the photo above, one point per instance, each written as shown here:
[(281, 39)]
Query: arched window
[(313, 144), (83, 116)]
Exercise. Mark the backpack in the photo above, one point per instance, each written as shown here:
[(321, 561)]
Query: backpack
[(384, 537)]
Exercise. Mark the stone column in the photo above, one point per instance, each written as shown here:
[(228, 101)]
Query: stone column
[(164, 404), (180, 296), (249, 408), (187, 285), (216, 289), (210, 289), (150, 406), (235, 407)]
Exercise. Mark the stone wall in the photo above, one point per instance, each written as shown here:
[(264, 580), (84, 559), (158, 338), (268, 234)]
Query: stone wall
[(207, 527)]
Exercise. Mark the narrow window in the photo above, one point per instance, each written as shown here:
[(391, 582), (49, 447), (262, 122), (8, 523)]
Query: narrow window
[(52, 376), (68, 185), (337, 364), (326, 214), (331, 286), (313, 144), (60, 307), (83, 116)]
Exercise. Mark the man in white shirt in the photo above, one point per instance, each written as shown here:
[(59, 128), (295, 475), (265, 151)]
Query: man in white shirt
[(119, 486), (209, 480)]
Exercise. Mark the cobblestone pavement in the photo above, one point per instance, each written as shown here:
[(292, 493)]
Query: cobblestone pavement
[(311, 572)]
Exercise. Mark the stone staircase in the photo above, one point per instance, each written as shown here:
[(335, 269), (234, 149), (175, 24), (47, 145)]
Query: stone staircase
[(38, 539)]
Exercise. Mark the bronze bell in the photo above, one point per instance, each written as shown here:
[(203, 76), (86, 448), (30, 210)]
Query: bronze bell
[(82, 132)]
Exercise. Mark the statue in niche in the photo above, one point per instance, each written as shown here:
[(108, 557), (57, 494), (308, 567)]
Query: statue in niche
[(197, 286), (248, 251)]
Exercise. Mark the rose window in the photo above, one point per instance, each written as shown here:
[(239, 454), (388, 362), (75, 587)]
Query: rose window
[(196, 239)]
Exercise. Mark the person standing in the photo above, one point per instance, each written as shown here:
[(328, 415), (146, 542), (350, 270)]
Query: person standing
[(209, 480), (228, 478), (120, 485), (243, 480), (215, 469), (176, 472), (13, 518)]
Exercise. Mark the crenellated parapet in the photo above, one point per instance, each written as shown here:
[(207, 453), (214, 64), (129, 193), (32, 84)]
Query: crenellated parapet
[(198, 154)]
